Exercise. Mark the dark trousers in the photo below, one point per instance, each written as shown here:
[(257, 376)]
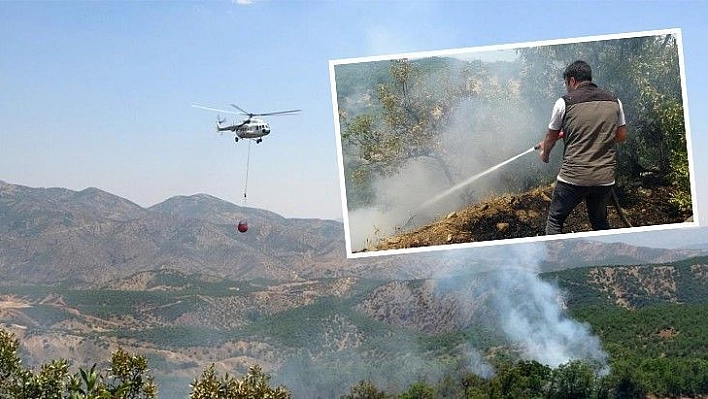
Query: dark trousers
[(567, 196)]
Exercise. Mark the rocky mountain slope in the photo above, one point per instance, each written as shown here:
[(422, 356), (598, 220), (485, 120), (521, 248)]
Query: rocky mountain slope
[(524, 215), (91, 237), (53, 235)]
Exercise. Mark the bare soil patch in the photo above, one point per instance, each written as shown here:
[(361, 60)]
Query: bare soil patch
[(524, 215)]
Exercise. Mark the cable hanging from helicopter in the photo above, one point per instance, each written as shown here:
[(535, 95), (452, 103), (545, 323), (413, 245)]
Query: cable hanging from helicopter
[(243, 224)]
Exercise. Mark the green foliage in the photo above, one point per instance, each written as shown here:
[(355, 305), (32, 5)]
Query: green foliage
[(412, 109), (127, 377), (628, 385), (303, 326), (644, 73), (364, 390), (18, 382), (88, 385), (573, 380), (106, 303), (669, 117), (354, 80), (10, 363), (524, 379), (690, 289), (419, 390), (47, 315), (667, 330), (532, 380), (254, 385)]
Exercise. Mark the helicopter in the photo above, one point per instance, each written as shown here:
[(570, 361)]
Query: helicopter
[(250, 128)]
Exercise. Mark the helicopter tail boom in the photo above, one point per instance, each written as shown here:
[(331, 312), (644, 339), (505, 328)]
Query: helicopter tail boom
[(231, 128)]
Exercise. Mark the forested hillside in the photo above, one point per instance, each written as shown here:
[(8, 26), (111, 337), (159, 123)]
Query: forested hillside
[(331, 337)]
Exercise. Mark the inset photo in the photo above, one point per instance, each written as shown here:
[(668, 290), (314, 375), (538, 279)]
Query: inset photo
[(513, 143)]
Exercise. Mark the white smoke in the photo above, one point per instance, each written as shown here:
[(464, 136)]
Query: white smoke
[(498, 288), (531, 312), (399, 199), (479, 135), (533, 319)]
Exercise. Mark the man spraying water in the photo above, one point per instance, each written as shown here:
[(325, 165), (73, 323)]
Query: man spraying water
[(592, 122)]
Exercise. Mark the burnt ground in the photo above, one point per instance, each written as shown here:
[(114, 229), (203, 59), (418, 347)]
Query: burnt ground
[(524, 215)]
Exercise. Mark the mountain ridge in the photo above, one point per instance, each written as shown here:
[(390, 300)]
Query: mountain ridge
[(52, 235)]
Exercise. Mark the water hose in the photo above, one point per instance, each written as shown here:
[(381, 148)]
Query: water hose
[(537, 147), (620, 212), (615, 201)]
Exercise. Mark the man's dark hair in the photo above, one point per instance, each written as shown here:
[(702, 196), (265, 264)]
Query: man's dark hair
[(580, 70)]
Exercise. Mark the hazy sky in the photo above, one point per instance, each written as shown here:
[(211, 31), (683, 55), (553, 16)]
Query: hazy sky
[(98, 94)]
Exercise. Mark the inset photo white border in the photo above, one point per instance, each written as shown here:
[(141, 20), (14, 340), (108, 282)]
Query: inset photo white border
[(421, 137)]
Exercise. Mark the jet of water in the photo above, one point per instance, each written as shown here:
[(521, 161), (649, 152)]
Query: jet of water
[(467, 182)]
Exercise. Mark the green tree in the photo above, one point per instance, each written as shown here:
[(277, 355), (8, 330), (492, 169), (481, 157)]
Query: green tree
[(10, 364), (87, 384), (524, 379), (644, 73), (413, 108), (254, 385), (18, 382), (572, 380), (127, 377), (419, 390), (365, 390)]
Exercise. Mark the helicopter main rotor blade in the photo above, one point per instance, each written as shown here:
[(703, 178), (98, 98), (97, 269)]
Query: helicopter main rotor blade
[(214, 109), (292, 111), (250, 115)]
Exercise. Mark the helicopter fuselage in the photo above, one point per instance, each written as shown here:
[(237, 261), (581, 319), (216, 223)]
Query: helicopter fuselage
[(249, 129)]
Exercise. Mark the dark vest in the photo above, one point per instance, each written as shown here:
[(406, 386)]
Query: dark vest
[(589, 128)]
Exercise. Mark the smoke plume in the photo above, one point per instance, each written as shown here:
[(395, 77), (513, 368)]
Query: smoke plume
[(532, 313), (496, 289), (481, 132), (529, 311)]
